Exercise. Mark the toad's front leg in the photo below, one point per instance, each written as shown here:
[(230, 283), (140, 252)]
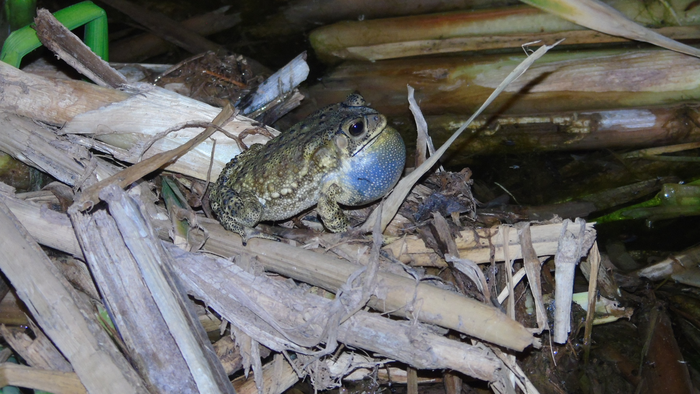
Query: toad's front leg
[(333, 217)]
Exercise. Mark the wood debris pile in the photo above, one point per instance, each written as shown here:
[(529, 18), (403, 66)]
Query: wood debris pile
[(141, 267)]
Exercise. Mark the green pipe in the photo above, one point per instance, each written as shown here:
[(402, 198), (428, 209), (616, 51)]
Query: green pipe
[(23, 41)]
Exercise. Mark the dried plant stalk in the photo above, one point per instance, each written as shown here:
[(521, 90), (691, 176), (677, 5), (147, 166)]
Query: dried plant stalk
[(545, 239), (476, 245), (475, 30), (566, 131), (45, 99), (572, 246), (398, 195), (599, 16), (34, 378), (54, 229), (561, 81), (89, 196), (61, 312), (133, 130), (155, 355), (256, 304), (38, 352), (480, 43), (400, 294), (278, 376), (301, 15), (73, 51), (39, 147), (126, 121), (594, 261), (172, 304), (532, 268), (366, 330)]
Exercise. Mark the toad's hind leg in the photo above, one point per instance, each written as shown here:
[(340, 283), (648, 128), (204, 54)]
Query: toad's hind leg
[(238, 213)]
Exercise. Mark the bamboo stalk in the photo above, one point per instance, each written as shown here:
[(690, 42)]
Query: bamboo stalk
[(599, 16), (563, 131), (300, 15), (132, 174), (39, 147), (53, 228), (438, 307), (357, 40), (394, 50), (485, 29), (579, 81), (220, 284)]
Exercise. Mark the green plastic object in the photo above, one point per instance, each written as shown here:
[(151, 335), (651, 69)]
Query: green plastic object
[(20, 13), (25, 40)]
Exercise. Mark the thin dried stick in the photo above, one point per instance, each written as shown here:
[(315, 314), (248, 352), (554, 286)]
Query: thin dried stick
[(406, 184), (129, 175), (599, 16)]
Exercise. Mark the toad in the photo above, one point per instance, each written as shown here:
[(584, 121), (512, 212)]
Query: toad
[(343, 154)]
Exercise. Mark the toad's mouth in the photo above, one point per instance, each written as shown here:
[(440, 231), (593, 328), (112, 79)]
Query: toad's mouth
[(367, 143)]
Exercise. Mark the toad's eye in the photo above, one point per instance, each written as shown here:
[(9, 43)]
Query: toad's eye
[(357, 128)]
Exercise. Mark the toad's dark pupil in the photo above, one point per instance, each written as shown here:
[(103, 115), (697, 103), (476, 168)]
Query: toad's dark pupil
[(357, 128)]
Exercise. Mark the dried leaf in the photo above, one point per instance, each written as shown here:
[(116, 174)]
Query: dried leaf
[(599, 16), (404, 186)]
